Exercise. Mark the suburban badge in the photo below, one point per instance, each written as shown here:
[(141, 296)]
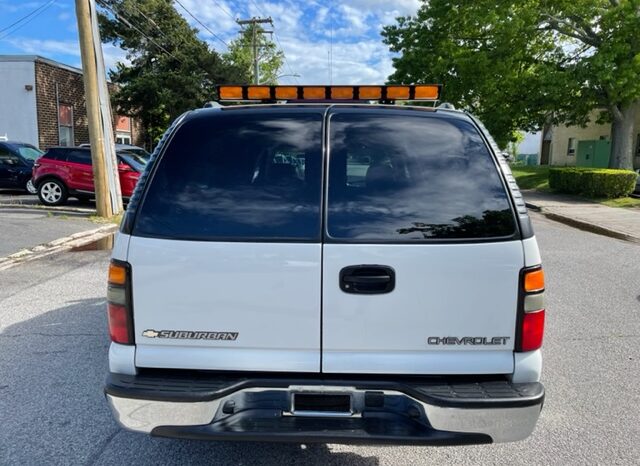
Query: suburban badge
[(190, 335)]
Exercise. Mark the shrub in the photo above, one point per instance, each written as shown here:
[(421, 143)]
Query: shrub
[(592, 182)]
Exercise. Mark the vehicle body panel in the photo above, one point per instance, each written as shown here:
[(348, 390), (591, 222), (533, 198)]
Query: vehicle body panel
[(446, 290), (266, 292)]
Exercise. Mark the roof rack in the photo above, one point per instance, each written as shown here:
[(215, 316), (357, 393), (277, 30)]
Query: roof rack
[(338, 93)]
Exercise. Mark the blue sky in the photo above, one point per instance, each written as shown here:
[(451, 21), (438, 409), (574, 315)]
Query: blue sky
[(305, 30)]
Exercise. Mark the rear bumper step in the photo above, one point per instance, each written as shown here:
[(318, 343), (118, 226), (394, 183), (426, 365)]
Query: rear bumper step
[(418, 411)]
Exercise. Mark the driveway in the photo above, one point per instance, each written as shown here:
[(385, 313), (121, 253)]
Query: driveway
[(53, 360)]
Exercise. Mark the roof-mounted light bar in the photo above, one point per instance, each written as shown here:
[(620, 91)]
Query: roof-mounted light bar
[(390, 93)]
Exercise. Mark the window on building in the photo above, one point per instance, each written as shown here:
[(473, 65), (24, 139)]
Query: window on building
[(123, 130), (65, 125), (123, 138), (638, 145), (571, 147), (604, 138)]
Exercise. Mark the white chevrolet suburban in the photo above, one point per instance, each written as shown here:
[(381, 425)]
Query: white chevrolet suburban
[(327, 272)]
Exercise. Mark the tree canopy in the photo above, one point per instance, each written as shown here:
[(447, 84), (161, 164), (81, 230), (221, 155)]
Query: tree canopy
[(270, 57), (521, 65), (171, 70)]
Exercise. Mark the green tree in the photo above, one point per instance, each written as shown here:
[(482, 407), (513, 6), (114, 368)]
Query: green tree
[(513, 146), (270, 57), (521, 65), (171, 70)]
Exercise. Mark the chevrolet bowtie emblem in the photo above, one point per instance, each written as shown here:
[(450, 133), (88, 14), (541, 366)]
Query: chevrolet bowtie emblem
[(150, 333)]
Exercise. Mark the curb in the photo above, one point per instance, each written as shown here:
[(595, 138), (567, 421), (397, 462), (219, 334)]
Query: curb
[(58, 245), (52, 209), (583, 225)]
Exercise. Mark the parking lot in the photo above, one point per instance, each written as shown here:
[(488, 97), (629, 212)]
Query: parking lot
[(53, 360)]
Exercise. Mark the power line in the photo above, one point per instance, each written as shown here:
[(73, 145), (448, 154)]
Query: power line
[(127, 22), (120, 17), (254, 41), (150, 21), (284, 55), (258, 8), (26, 18), (201, 23), (331, 43), (224, 10)]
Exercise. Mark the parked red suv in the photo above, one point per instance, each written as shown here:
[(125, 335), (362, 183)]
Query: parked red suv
[(64, 172)]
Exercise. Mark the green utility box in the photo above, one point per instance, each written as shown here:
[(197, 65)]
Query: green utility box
[(594, 153)]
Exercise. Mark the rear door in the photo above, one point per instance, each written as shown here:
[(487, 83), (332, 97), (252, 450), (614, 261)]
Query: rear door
[(80, 170), (225, 251), (421, 257)]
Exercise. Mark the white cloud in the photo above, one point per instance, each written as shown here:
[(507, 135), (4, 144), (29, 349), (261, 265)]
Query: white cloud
[(113, 55), (46, 46), (359, 56)]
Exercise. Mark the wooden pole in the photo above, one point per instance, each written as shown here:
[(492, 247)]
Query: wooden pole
[(96, 136)]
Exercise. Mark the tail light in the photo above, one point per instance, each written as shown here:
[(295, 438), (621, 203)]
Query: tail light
[(531, 312), (119, 306)]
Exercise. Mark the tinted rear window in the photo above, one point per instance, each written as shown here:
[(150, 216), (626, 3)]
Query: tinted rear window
[(409, 178), (238, 176)]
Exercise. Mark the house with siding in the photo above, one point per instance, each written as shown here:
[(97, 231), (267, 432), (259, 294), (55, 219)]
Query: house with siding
[(42, 102), (576, 145)]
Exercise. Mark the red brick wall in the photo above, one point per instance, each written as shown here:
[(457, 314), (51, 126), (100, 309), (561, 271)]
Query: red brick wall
[(70, 91)]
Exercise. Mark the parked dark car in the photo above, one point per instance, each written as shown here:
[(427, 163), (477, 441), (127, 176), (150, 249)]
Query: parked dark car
[(64, 172), (16, 164)]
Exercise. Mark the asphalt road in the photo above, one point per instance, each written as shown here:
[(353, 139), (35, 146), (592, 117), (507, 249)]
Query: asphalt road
[(29, 226), (26, 228), (53, 359)]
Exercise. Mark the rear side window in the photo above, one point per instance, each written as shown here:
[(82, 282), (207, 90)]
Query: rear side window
[(238, 176), (79, 156), (55, 154), (411, 178)]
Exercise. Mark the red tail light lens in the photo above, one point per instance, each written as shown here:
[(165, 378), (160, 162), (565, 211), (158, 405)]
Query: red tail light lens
[(119, 308), (531, 310), (532, 330), (118, 324)]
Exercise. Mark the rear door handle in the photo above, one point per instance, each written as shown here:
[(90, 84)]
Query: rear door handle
[(367, 279)]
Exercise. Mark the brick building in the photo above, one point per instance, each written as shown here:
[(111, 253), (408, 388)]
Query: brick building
[(43, 104)]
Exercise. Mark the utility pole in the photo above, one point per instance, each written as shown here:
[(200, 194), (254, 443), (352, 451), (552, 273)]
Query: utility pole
[(105, 175), (254, 42)]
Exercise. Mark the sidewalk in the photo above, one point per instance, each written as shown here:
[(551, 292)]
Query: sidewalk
[(616, 222)]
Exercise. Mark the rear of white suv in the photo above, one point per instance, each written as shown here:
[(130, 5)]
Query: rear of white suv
[(328, 273)]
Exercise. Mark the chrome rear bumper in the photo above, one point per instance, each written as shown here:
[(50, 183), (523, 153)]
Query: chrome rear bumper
[(266, 413)]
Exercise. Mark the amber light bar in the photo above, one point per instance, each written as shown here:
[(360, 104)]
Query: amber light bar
[(329, 93)]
